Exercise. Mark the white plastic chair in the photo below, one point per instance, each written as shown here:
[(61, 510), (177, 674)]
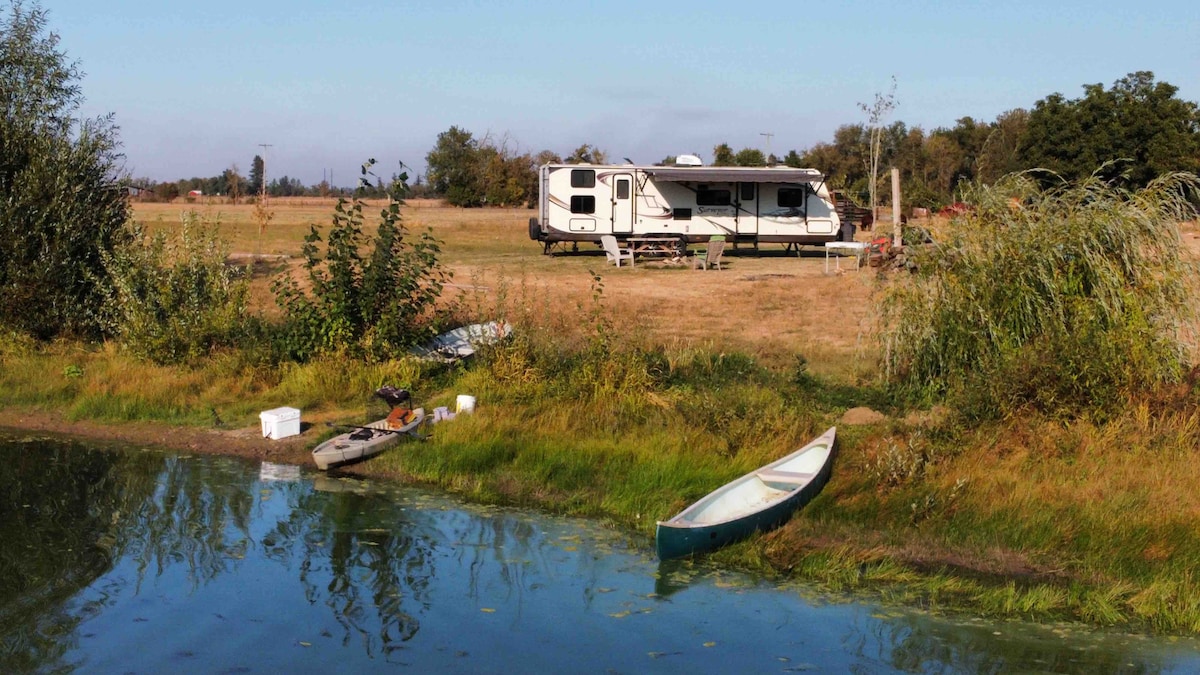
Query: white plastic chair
[(614, 252)]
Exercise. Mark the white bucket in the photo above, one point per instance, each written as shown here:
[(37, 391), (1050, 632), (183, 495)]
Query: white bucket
[(464, 404)]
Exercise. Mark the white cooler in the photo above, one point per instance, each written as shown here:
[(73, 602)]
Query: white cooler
[(280, 423)]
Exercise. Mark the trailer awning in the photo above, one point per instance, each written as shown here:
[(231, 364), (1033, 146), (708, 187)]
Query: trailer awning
[(727, 174)]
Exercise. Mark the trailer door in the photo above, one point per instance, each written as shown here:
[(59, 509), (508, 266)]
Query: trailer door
[(747, 208), (622, 203)]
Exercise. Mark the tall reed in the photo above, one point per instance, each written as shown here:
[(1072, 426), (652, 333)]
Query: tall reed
[(1066, 299)]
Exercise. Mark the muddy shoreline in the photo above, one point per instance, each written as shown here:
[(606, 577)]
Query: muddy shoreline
[(246, 442)]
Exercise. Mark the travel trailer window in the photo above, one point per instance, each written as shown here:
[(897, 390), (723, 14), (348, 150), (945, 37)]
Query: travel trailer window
[(622, 189), (583, 204), (707, 197), (583, 178), (682, 214), (793, 197), (747, 192)]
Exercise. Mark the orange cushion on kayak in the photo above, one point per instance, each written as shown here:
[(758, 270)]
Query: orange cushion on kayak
[(399, 417)]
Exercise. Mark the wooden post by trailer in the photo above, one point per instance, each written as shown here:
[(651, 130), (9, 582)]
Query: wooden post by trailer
[(897, 235)]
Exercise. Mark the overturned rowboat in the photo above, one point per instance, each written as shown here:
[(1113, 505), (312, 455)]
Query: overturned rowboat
[(463, 341), (758, 501)]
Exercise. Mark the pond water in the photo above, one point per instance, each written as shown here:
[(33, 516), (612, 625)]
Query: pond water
[(135, 560)]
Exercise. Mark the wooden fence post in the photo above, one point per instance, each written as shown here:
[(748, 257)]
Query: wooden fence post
[(897, 235)]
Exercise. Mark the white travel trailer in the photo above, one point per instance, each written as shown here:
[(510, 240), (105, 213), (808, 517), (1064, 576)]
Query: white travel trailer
[(748, 205)]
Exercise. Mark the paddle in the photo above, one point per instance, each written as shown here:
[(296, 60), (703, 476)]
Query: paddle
[(356, 426)]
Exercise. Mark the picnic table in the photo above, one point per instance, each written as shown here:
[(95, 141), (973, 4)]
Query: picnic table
[(664, 246)]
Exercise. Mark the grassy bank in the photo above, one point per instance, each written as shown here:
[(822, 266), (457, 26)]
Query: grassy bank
[(1034, 518)]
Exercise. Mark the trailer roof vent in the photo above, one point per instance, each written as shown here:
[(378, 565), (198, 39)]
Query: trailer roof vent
[(688, 160)]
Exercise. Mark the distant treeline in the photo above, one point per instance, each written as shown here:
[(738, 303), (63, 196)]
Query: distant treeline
[(231, 184), (1131, 132)]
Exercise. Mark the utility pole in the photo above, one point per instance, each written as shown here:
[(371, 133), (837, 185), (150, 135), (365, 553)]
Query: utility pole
[(264, 146), (768, 134)]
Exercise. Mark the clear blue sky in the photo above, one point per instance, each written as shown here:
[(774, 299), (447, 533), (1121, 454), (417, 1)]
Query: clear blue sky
[(196, 88)]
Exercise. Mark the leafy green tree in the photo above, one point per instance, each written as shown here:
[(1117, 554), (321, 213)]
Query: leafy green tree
[(371, 297), (1137, 127), (969, 136), (723, 155), (166, 191), (842, 161), (750, 157), (61, 203), (530, 177), (454, 167), (286, 186), (999, 154), (943, 163), (587, 154), (1160, 132), (902, 149), (505, 176), (546, 157), (472, 172)]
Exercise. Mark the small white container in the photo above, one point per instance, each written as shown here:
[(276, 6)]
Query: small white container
[(464, 404), (280, 423)]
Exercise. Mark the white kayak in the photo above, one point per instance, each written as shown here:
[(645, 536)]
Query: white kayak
[(365, 442)]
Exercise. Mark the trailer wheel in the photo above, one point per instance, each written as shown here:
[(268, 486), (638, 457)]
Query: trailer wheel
[(535, 229), (681, 247)]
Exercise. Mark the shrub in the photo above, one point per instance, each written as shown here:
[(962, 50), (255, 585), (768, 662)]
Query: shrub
[(61, 206), (376, 305), (175, 299), (1065, 299)]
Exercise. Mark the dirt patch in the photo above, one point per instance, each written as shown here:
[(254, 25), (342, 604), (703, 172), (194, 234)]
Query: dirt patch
[(863, 415), (760, 277), (247, 442)]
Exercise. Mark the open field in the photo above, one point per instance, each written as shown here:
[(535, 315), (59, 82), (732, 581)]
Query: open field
[(774, 305)]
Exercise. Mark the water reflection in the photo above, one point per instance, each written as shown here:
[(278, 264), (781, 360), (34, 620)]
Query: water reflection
[(136, 560), (363, 573)]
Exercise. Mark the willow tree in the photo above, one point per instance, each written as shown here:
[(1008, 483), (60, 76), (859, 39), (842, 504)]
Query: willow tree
[(61, 206)]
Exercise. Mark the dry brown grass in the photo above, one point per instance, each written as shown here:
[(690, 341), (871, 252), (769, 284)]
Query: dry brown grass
[(774, 305)]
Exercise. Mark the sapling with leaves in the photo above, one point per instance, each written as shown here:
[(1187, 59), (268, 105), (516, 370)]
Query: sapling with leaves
[(375, 304)]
